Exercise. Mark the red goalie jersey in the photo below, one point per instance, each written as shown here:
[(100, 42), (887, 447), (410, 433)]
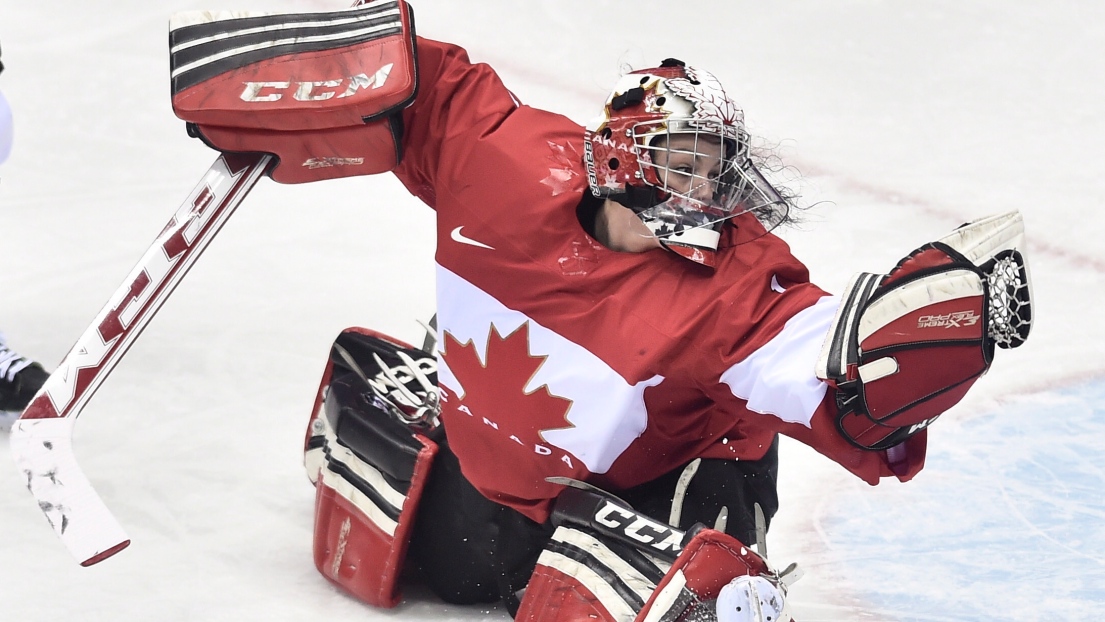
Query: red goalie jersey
[(560, 357)]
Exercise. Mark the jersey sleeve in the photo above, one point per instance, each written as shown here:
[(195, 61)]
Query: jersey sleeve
[(457, 102), (775, 387)]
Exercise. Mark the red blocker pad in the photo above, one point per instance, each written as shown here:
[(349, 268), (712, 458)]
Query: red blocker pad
[(320, 91), (369, 470)]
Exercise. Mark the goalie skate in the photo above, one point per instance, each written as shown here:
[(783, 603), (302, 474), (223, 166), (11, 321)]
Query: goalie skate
[(20, 379)]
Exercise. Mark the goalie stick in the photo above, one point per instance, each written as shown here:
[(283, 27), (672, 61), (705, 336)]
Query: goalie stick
[(41, 440), (217, 51)]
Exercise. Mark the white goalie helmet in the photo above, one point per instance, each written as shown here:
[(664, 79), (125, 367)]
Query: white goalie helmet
[(672, 146)]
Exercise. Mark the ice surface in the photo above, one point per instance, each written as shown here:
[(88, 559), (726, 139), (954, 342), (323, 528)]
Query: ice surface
[(903, 119)]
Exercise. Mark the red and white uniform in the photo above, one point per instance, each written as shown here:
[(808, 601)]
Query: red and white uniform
[(560, 357)]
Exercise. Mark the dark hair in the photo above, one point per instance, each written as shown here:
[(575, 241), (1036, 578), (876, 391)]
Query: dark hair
[(768, 163)]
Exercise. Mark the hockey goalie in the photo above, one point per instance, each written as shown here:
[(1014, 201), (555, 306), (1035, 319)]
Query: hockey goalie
[(592, 431)]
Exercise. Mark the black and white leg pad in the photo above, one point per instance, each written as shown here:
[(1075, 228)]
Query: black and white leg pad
[(606, 562), (369, 468)]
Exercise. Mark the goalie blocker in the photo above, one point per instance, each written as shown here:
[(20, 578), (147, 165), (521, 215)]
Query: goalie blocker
[(322, 92), (906, 346)]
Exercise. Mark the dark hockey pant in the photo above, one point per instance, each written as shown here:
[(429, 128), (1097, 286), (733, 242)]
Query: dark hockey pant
[(468, 549)]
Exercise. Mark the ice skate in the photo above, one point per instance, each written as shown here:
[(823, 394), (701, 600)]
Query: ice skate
[(20, 379)]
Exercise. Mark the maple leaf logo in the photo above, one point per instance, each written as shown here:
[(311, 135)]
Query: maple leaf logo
[(564, 169), (711, 104), (494, 390)]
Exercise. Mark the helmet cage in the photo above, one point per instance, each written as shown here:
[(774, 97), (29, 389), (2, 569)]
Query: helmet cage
[(638, 154), (702, 162), (698, 186)]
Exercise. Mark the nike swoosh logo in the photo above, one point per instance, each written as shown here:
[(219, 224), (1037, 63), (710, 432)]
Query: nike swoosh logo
[(775, 287), (458, 237)]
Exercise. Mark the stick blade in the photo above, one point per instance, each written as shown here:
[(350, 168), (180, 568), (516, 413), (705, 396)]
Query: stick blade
[(43, 453)]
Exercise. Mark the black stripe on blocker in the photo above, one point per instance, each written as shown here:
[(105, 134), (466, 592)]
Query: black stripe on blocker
[(335, 36)]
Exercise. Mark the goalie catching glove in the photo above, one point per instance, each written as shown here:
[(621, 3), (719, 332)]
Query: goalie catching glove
[(906, 346)]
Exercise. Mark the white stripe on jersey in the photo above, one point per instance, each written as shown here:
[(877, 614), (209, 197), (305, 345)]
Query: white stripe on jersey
[(778, 379), (607, 413)]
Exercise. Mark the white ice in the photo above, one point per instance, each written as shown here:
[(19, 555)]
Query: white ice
[(903, 120)]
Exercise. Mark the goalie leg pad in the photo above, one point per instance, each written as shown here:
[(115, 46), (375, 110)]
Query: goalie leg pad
[(716, 577), (583, 575), (607, 562), (370, 470)]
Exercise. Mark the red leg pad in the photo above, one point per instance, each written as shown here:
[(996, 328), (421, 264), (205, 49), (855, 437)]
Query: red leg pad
[(554, 596), (357, 546)]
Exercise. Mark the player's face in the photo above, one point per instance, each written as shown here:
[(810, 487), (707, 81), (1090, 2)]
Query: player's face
[(690, 165)]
